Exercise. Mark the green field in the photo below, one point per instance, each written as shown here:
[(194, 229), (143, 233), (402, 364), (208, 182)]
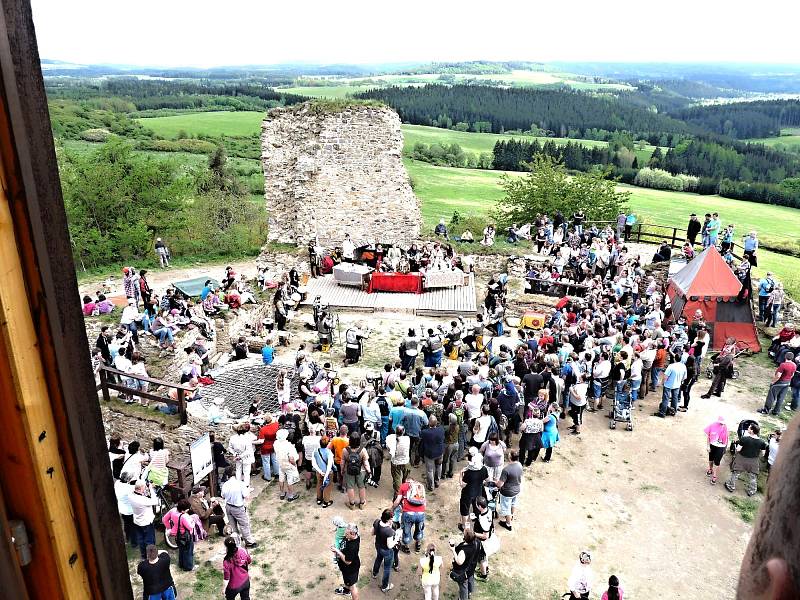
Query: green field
[(237, 124), (328, 91), (788, 140)]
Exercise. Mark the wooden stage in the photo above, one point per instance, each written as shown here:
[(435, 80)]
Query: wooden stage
[(435, 303)]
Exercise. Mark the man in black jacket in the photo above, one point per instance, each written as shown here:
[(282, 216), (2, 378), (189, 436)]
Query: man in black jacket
[(432, 450), (693, 229)]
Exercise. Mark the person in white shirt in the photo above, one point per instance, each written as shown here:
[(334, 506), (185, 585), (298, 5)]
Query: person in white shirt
[(774, 447), (636, 376), (242, 446), (348, 249), (142, 501), (123, 490), (235, 493), (399, 446), (473, 402), (581, 579), (130, 314)]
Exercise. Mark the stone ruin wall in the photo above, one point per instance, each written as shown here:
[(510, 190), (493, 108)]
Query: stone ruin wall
[(335, 171)]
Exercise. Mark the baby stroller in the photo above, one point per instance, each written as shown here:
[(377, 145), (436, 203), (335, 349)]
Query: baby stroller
[(491, 491), (621, 409)]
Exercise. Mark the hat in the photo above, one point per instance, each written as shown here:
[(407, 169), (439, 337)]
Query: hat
[(197, 489), (369, 426)]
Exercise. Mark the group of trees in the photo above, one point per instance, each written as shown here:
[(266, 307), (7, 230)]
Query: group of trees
[(548, 188), (513, 155), (450, 155), (737, 161), (742, 120), (663, 180), (562, 112), (118, 202)]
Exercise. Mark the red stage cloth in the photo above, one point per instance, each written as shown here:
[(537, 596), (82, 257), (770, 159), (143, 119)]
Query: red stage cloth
[(395, 282)]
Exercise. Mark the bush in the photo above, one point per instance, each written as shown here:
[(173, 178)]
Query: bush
[(95, 135), (663, 180), (185, 145)]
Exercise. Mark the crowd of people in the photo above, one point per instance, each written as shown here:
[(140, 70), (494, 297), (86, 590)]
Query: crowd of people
[(464, 401)]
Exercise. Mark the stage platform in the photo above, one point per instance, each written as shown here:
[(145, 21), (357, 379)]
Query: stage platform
[(434, 303)]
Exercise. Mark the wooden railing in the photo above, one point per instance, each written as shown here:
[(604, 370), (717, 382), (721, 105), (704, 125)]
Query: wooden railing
[(107, 383)]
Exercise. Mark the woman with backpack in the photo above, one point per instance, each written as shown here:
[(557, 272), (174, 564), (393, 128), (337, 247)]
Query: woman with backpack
[(178, 523), (355, 461), (235, 575)]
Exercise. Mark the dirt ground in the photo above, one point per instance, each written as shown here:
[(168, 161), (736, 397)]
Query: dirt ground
[(640, 501)]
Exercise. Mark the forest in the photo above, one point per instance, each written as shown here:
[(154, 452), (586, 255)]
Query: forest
[(742, 120), (562, 113)]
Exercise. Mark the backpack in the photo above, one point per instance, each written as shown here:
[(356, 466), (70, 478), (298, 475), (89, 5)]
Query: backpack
[(415, 495), (493, 428), (459, 413), (354, 461)]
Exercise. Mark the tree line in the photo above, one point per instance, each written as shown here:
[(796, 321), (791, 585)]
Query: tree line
[(742, 120), (562, 113)]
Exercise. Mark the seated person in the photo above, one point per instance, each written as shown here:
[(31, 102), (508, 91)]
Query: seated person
[(441, 229), (488, 236), (688, 251), (664, 253), (524, 232), (89, 306), (103, 306), (467, 236)]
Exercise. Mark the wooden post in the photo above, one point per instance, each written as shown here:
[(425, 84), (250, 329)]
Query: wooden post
[(104, 384), (182, 406), (674, 233), (638, 233), (212, 482)]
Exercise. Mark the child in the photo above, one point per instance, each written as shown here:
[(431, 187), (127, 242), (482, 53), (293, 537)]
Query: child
[(774, 441), (430, 565), (339, 527), (614, 591)]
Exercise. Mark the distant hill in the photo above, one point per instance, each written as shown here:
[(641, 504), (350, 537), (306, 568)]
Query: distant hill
[(473, 67)]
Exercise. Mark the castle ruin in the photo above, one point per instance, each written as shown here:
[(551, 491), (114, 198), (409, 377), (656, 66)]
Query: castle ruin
[(331, 169)]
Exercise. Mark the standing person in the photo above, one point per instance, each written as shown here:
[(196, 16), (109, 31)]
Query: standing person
[(691, 376), (774, 303), (483, 526), (614, 591), (672, 380), (765, 286), (465, 559), (162, 252), (620, 224), (717, 439), (183, 531), (349, 562), (411, 498), (577, 404), (399, 445), (157, 582), (581, 579), (750, 248), (530, 440), (384, 548), (747, 459), (510, 484), (779, 385), (142, 501), (322, 463), (122, 490), (414, 419), (354, 344), (722, 371), (692, 229), (409, 348), (242, 447), (355, 462), (266, 437), (430, 566), (630, 221), (472, 478), (235, 572), (451, 455), (550, 435), (235, 493), (493, 451), (287, 456), (432, 449)]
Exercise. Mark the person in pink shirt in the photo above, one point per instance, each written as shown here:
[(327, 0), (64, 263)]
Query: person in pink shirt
[(614, 591), (235, 576), (717, 439)]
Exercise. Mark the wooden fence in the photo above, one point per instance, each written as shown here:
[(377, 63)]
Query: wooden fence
[(113, 379)]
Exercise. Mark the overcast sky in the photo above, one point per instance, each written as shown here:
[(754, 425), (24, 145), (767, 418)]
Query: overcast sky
[(207, 33)]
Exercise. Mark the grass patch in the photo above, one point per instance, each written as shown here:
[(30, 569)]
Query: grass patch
[(234, 124), (500, 587), (207, 583), (647, 487), (746, 508)]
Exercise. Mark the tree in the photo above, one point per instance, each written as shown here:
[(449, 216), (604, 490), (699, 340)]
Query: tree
[(656, 159), (548, 188)]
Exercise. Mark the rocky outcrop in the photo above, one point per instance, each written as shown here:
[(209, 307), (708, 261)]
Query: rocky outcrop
[(332, 169)]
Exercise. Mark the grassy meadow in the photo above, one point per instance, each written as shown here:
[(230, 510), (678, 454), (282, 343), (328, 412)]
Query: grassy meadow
[(236, 124), (788, 140)]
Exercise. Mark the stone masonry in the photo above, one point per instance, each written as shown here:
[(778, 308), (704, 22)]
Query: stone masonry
[(331, 170)]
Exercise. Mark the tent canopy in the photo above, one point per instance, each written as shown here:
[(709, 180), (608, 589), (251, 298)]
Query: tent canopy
[(707, 274), (193, 287)]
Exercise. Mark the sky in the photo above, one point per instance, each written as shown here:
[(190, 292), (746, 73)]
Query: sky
[(206, 33)]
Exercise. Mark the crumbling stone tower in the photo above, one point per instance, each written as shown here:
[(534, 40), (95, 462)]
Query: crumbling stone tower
[(332, 168)]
